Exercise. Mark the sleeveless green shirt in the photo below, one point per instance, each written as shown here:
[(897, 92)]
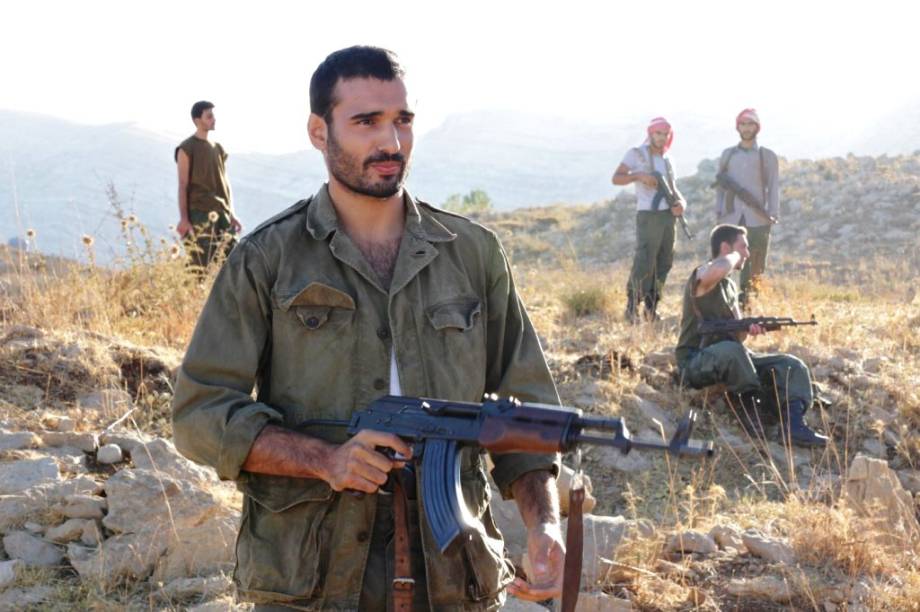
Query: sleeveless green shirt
[(208, 188), (721, 302)]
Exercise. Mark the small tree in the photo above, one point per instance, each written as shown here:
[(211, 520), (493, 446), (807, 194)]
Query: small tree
[(476, 201)]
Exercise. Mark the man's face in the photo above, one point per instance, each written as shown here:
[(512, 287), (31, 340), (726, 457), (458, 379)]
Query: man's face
[(740, 246), (659, 138), (748, 130), (206, 121), (369, 140)]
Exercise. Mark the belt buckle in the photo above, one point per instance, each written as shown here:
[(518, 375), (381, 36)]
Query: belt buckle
[(403, 584)]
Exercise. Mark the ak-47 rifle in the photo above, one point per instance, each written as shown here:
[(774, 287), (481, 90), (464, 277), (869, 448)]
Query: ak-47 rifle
[(728, 326), (667, 194), (727, 183), (437, 431)]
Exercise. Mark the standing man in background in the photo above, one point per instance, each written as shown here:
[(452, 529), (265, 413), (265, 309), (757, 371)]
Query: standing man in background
[(655, 220), (749, 197), (206, 218)]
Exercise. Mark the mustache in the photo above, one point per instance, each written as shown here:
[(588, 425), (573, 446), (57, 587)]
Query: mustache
[(385, 157)]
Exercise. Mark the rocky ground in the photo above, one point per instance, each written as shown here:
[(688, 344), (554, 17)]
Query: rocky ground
[(98, 511)]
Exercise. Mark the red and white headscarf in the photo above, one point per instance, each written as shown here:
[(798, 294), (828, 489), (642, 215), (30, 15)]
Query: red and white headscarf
[(660, 123), (748, 114)]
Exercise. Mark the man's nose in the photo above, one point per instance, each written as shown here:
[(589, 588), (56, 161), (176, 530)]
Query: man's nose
[(388, 140)]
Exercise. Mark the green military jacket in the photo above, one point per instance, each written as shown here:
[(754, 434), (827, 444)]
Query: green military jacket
[(720, 302), (298, 315)]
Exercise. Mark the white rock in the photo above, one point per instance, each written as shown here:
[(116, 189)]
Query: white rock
[(16, 509), (226, 604), (160, 455), (127, 440), (32, 550), (9, 571), (84, 506), (86, 442), (137, 500), (92, 533), (25, 598), (728, 537), (691, 542), (33, 527), (25, 474), (202, 587), (16, 440), (109, 454), (873, 490), (204, 549), (563, 486), (123, 556), (598, 601), (68, 531), (62, 489), (770, 549)]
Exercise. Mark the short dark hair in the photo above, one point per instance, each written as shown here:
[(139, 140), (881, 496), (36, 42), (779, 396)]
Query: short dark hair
[(199, 107), (358, 62), (724, 233)]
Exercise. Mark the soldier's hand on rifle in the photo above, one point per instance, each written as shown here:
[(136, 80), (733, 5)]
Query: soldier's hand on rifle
[(756, 330), (359, 466), (678, 210), (546, 552), (647, 179)]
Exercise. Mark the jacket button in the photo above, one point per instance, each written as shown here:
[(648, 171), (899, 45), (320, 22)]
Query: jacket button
[(380, 384), (312, 322), (362, 536), (383, 333)]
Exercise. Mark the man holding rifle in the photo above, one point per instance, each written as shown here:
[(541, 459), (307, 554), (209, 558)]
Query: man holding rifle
[(655, 219), (747, 194), (761, 387), (359, 292)]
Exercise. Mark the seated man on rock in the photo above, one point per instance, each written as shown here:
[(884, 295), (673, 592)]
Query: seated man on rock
[(761, 387)]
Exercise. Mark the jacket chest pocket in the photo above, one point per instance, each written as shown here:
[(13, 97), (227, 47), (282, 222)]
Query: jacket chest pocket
[(455, 343), (317, 309), (455, 316)]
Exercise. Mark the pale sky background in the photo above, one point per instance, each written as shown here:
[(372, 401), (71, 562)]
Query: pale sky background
[(826, 67)]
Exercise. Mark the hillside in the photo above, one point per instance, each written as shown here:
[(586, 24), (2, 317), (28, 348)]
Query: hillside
[(98, 511)]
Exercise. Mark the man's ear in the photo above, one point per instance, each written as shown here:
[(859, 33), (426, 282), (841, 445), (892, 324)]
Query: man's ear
[(318, 131)]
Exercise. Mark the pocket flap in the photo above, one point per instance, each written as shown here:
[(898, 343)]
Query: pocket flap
[(315, 294), (458, 313), (278, 493)]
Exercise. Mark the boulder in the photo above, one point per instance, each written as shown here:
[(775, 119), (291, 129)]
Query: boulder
[(131, 555), (26, 474), (691, 542), (9, 572), (598, 601), (16, 509), (84, 506), (109, 402), (25, 598), (70, 530), (141, 499), (85, 441), (728, 537), (17, 440), (873, 490), (31, 549), (770, 549), (58, 422), (161, 456), (205, 549)]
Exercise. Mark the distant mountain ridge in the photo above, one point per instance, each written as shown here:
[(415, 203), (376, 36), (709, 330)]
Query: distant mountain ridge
[(54, 174)]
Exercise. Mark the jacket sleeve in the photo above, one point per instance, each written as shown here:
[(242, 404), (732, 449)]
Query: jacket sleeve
[(215, 419), (516, 365)]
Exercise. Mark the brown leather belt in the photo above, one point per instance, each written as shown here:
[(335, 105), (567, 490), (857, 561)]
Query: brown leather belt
[(403, 583)]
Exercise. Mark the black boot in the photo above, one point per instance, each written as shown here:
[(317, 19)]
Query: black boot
[(799, 432), (748, 408)]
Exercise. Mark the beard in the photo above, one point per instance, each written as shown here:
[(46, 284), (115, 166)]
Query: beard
[(355, 174)]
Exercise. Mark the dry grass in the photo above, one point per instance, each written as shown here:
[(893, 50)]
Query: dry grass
[(151, 298)]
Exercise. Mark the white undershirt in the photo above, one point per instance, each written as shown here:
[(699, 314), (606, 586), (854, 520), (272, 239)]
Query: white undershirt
[(395, 389)]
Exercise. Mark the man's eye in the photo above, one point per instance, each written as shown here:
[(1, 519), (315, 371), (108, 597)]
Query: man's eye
[(404, 121)]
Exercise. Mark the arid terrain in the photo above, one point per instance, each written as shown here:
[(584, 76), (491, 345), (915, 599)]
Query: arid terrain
[(98, 511)]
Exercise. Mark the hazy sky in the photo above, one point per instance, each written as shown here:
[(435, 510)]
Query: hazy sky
[(804, 64)]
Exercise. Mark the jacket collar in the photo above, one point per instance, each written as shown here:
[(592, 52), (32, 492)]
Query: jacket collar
[(322, 219)]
